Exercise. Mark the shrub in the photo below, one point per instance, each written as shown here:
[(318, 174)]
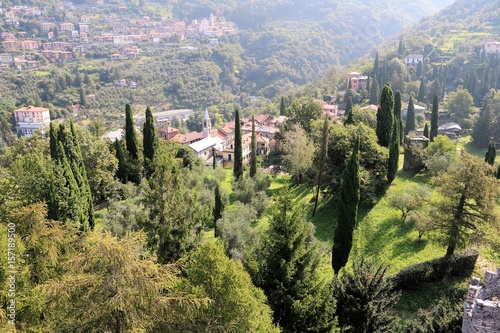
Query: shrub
[(460, 264)]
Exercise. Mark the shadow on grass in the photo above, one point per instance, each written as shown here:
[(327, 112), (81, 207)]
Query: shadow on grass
[(325, 219)]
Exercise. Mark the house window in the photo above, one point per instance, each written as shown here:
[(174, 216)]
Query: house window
[(229, 157)]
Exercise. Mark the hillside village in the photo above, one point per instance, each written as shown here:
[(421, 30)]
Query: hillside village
[(70, 30)]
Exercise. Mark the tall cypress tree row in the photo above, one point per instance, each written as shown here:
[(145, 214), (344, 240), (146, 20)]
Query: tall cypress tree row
[(282, 107), (218, 209), (121, 172), (434, 118), (426, 130), (410, 117), (150, 143), (490, 154), (130, 135), (349, 120), (253, 151), (238, 149), (421, 90), (385, 116), (347, 211)]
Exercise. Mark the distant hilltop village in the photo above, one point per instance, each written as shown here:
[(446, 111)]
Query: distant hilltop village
[(82, 27)]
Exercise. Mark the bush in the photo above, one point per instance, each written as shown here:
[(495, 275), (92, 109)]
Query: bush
[(460, 264)]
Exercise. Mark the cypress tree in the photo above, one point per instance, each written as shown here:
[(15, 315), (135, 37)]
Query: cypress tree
[(130, 135), (214, 160), (420, 69), (253, 151), (238, 149), (393, 154), (218, 209), (426, 130), (401, 49), (374, 93), (410, 117), (421, 90), (376, 72), (82, 96), (481, 133), (348, 112), (53, 136), (150, 143), (321, 162), (498, 171), (385, 116), (121, 172), (397, 115), (347, 211), (282, 107), (490, 154), (434, 118)]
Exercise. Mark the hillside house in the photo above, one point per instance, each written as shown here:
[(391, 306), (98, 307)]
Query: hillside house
[(412, 60), (451, 130), (356, 81), (419, 110), (30, 119)]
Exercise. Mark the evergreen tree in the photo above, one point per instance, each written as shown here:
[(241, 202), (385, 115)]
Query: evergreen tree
[(218, 209), (349, 120), (347, 211), (214, 159), (253, 151), (376, 71), (498, 171), (121, 172), (434, 118), (238, 149), (150, 143), (53, 136), (481, 133), (289, 274), (130, 135), (82, 96), (410, 117), (374, 92), (393, 154), (397, 115), (401, 49), (282, 107), (385, 116), (421, 90), (365, 298), (322, 160), (420, 69), (426, 130), (491, 154)]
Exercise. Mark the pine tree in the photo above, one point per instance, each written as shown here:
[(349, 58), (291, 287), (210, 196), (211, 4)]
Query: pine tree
[(289, 274), (393, 154), (121, 172), (253, 151), (434, 118), (347, 211), (421, 90), (282, 107), (374, 93), (150, 143), (491, 154), (481, 133), (348, 112), (130, 135), (385, 116), (238, 149), (410, 117), (218, 209), (426, 130)]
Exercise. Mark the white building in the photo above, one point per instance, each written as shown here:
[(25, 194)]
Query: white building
[(412, 60), (417, 109), (30, 119)]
